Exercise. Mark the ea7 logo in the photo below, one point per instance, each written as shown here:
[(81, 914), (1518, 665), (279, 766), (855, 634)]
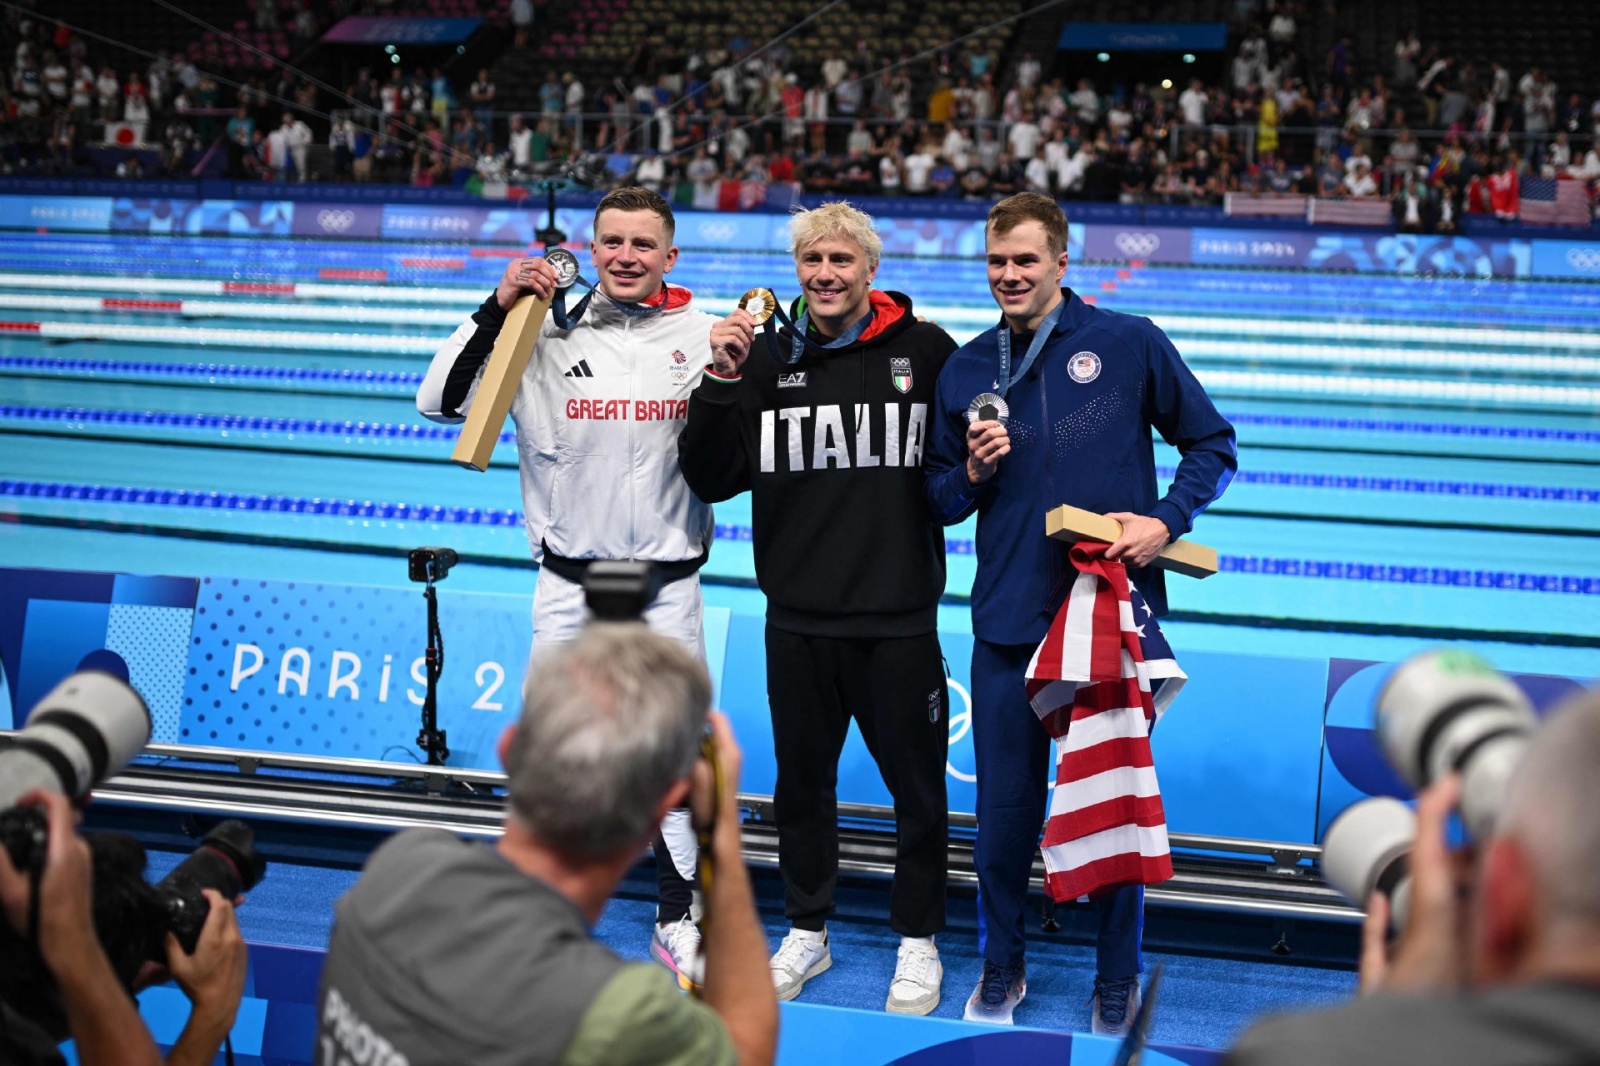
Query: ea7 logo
[(797, 380)]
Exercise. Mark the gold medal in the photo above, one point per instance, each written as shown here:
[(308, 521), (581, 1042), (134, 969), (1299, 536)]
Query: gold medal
[(759, 304)]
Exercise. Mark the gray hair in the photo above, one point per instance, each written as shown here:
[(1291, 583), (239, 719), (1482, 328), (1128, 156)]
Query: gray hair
[(609, 723), (1553, 809), (835, 219)]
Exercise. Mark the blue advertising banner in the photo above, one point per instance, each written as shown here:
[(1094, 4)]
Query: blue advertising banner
[(1389, 253), (1262, 747), (1153, 244), (251, 218), (86, 214), (1143, 37), (1566, 259), (53, 622), (363, 29), (1354, 766), (732, 230), (337, 670), (500, 225), (337, 220), (1238, 247)]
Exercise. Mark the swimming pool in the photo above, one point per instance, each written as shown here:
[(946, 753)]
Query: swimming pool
[(1418, 456)]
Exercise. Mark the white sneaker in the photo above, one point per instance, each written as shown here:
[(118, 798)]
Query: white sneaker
[(917, 975), (676, 945), (802, 955)]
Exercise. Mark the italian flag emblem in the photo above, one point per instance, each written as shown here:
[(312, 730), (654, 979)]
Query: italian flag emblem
[(900, 373)]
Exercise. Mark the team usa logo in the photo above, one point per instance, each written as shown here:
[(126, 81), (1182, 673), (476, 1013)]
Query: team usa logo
[(1083, 367), (900, 372)]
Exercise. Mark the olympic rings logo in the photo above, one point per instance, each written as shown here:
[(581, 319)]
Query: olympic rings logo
[(335, 221), (717, 231), (1137, 245), (960, 726), (1586, 259)]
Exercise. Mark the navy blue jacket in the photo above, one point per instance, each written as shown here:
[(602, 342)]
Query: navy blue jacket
[(1096, 454)]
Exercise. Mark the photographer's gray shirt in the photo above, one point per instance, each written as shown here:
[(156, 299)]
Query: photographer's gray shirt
[(1545, 1024), (444, 953)]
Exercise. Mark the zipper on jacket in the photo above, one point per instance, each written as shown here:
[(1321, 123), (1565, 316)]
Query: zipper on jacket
[(633, 441)]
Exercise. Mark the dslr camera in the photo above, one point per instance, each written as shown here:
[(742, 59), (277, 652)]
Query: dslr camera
[(1440, 711), (86, 729)]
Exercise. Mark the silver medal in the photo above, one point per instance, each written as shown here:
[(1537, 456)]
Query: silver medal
[(988, 407), (565, 264)]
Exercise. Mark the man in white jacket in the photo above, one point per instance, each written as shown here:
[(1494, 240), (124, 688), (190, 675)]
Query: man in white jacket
[(597, 418)]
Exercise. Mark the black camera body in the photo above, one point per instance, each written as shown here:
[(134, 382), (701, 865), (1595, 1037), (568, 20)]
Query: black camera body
[(431, 564), (619, 591), (24, 834)]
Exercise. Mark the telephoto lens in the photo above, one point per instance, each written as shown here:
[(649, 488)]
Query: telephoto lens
[(226, 860), (1450, 710), (1439, 712), (86, 729), (1368, 849)]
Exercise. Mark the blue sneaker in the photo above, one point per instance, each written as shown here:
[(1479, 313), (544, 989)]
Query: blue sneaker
[(999, 991), (1115, 1005)]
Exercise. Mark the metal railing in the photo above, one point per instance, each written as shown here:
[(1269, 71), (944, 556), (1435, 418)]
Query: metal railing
[(1215, 873)]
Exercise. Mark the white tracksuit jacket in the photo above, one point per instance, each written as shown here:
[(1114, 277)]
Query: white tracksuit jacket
[(597, 418)]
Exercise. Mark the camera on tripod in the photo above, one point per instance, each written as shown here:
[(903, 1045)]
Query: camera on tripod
[(1439, 712), (85, 730), (431, 564)]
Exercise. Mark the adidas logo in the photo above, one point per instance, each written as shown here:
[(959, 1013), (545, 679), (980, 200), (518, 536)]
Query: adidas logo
[(580, 371)]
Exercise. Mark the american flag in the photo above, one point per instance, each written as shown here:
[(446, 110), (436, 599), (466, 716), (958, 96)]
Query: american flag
[(1102, 677), (1554, 202)]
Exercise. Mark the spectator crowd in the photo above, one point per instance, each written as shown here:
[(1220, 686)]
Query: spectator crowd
[(1438, 134)]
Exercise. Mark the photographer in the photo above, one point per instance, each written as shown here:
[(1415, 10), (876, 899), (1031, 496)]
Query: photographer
[(449, 951), (1500, 958), (84, 994)]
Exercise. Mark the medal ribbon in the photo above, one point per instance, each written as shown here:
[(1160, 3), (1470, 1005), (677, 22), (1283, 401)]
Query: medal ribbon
[(558, 305), (797, 335), (1006, 379)]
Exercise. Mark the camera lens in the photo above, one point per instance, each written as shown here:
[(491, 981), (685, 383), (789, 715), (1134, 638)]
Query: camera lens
[(1366, 849), (85, 729), (226, 860), (1451, 710)]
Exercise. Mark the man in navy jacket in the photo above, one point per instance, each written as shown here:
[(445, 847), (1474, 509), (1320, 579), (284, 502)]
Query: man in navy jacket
[(1083, 388)]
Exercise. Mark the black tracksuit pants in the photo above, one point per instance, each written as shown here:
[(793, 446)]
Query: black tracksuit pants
[(894, 687)]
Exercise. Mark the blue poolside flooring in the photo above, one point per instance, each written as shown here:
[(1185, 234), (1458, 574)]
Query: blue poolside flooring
[(1219, 977)]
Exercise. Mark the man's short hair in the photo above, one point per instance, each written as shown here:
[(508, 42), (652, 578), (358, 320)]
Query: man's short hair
[(634, 198), (836, 219), (1013, 211), (609, 723), (1552, 808)]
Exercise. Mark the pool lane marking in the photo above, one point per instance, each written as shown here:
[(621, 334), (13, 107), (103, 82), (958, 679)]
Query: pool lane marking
[(1332, 386), (1460, 577), (433, 432)]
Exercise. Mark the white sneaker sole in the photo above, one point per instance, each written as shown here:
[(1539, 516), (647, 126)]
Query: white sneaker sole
[(917, 1007), (971, 1014), (820, 966)]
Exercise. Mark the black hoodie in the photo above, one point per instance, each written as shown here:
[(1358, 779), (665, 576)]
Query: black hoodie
[(830, 449)]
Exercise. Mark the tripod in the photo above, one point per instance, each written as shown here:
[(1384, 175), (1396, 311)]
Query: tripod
[(432, 739)]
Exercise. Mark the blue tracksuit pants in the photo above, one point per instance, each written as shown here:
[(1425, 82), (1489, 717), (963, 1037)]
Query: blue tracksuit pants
[(1014, 767)]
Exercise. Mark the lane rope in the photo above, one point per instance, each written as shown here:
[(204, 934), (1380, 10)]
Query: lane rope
[(1386, 573)]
